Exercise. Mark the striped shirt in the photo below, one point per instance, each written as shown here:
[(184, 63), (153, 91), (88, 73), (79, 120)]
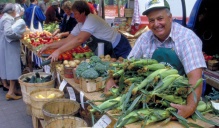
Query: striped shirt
[(185, 42)]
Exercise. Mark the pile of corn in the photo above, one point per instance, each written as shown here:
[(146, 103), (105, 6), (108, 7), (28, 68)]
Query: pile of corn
[(146, 89)]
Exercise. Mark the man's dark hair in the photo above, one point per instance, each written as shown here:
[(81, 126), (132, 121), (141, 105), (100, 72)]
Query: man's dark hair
[(81, 6), (32, 1), (19, 1)]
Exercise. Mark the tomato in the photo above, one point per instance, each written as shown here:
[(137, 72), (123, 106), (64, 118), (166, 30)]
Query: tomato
[(60, 57), (65, 56)]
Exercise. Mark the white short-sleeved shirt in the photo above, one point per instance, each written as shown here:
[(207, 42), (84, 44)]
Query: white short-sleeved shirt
[(97, 27), (18, 9)]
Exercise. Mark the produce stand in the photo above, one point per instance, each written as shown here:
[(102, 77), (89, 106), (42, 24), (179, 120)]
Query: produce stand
[(211, 79), (174, 124)]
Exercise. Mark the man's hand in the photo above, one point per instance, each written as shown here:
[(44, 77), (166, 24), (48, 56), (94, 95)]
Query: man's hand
[(187, 110), (54, 56), (109, 84), (184, 110)]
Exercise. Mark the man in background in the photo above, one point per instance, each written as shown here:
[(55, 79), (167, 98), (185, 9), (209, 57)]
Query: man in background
[(43, 5), (51, 13)]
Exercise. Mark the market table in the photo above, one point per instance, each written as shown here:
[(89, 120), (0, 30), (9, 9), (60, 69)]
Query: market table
[(212, 78), (171, 124)]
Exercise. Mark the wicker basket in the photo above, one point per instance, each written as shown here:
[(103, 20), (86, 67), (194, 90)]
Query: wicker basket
[(66, 122), (68, 72), (60, 107), (26, 88), (37, 103)]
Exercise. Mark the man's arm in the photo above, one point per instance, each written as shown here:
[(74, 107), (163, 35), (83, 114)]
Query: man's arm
[(188, 109)]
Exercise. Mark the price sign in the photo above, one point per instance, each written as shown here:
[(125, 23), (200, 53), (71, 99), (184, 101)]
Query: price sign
[(82, 99), (103, 122), (62, 85), (58, 77), (71, 93)]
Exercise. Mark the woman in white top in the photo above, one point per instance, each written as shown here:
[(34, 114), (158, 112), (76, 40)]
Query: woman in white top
[(93, 29), (18, 9)]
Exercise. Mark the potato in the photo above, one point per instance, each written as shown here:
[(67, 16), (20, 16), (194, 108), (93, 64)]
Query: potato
[(65, 62), (77, 61)]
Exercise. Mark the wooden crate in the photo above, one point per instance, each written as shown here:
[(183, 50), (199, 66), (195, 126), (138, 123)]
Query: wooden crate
[(91, 85), (213, 65)]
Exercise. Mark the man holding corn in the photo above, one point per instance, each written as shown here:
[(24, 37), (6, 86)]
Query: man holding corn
[(170, 42)]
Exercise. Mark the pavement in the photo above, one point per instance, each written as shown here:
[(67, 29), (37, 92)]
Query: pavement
[(13, 113)]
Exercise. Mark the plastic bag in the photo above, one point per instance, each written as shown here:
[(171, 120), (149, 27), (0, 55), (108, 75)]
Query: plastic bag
[(40, 29), (19, 27)]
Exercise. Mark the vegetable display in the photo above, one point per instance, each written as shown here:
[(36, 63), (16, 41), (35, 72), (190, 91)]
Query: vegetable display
[(145, 92), (36, 78), (92, 69)]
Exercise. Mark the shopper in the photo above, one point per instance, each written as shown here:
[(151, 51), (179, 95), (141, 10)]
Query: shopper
[(23, 5), (51, 13), (18, 9), (171, 43), (68, 22), (62, 11), (43, 5), (38, 15), (5, 86), (90, 26), (10, 68)]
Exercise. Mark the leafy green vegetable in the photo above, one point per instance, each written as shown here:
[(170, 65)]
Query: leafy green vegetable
[(81, 68), (90, 74)]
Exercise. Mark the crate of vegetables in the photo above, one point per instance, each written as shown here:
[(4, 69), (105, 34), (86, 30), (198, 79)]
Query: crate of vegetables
[(91, 85), (213, 65), (92, 74)]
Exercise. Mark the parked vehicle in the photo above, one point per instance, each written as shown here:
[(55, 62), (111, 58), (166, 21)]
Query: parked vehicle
[(203, 22)]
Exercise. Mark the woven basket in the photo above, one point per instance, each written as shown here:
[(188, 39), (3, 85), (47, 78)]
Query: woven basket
[(60, 107), (66, 122), (26, 88), (37, 103)]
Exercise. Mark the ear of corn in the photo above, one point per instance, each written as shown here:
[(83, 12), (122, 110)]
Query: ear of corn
[(141, 63), (106, 104), (168, 72), (158, 115), (172, 98), (130, 81), (165, 83), (149, 79), (134, 116), (118, 73), (202, 106), (153, 67)]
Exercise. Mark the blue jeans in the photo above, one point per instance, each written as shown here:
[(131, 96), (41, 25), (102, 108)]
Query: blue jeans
[(203, 85), (123, 48)]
